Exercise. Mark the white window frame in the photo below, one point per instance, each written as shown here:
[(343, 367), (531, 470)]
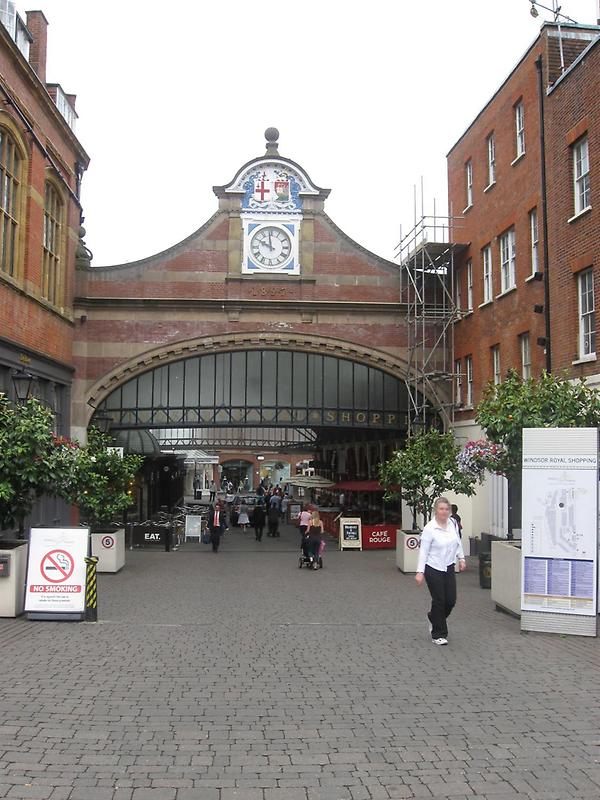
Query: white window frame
[(525, 347), (520, 128), (469, 178), (470, 284), (457, 383), (507, 261), (496, 372), (488, 278), (586, 314), (581, 175), (457, 292), (491, 159), (534, 240), (469, 374)]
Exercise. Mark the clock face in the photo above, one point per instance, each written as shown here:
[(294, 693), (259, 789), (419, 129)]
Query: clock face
[(271, 247)]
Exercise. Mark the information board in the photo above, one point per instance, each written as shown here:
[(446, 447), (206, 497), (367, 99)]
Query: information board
[(56, 571), (193, 526), (560, 523), (350, 533)]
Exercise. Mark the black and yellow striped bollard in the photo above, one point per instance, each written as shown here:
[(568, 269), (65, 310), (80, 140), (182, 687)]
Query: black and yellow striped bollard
[(91, 591)]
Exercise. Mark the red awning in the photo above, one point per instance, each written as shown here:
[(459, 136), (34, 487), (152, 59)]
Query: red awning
[(358, 486)]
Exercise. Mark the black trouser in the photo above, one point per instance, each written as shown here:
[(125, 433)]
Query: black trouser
[(212, 497), (215, 539), (442, 588), (258, 530)]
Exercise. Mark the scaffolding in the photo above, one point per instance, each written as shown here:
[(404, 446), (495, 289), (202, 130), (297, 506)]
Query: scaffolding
[(427, 290)]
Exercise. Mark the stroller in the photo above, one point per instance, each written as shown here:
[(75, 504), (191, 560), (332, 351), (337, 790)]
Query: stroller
[(306, 558)]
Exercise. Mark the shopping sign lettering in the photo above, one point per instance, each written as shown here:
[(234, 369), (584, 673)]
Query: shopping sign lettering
[(381, 537)]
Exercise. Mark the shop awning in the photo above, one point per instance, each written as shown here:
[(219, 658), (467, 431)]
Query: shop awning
[(310, 482)]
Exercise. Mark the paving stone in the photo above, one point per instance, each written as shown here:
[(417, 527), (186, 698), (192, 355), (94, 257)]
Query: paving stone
[(240, 677)]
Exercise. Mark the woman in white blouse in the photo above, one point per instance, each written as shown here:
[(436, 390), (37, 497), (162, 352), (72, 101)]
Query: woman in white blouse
[(440, 547)]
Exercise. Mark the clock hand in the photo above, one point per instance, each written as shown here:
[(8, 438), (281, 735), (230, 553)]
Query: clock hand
[(270, 243)]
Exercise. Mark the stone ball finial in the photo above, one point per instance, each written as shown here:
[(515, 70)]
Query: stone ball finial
[(271, 134)]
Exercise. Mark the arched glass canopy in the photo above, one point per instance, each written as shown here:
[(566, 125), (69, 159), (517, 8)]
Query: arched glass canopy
[(260, 387)]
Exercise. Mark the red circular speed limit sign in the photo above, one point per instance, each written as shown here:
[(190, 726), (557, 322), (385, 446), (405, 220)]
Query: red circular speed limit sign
[(108, 542), (412, 542), (57, 565)]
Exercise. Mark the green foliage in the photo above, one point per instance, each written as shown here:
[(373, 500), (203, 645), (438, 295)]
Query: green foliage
[(33, 461), (424, 470), (548, 402), (100, 482), (30, 463)]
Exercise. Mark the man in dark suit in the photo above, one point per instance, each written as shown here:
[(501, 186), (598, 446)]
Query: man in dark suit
[(216, 525)]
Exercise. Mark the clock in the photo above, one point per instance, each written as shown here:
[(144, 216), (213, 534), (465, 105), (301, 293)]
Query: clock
[(271, 247)]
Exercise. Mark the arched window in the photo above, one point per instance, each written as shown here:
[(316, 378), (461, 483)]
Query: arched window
[(51, 260), (10, 203)]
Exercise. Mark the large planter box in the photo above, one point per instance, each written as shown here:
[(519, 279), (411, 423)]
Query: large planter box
[(506, 576), (407, 550), (13, 555), (109, 547)]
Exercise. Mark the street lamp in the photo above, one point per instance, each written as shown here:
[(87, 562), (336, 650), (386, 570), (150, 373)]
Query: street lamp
[(22, 382), (554, 10)]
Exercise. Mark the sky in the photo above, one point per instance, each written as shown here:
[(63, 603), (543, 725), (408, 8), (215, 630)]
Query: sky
[(173, 97)]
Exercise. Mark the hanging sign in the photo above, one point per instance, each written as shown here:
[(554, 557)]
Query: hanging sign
[(560, 530), (350, 533), (56, 572)]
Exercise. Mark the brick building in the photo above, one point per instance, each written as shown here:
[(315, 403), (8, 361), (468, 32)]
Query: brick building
[(267, 331), (573, 160), (519, 296), (41, 165)]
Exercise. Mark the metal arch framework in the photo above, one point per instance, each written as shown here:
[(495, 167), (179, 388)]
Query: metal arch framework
[(259, 388), (99, 391), (298, 439)]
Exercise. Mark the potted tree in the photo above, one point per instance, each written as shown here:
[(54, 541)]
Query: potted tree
[(424, 470), (32, 463), (100, 485)]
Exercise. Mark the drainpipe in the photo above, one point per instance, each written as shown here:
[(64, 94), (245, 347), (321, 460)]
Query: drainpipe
[(545, 257)]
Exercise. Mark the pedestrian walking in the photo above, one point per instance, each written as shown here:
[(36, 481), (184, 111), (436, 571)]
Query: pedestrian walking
[(212, 488), (440, 547), (258, 521), (216, 525), (456, 517), (273, 521), (243, 518), (304, 521), (285, 501), (275, 502), (314, 535)]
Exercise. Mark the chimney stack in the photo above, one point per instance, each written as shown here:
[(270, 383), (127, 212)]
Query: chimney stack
[(38, 27)]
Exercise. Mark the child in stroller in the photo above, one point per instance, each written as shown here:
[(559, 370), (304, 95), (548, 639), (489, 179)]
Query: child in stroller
[(312, 544)]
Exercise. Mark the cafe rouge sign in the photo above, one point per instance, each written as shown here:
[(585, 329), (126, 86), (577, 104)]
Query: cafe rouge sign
[(378, 537)]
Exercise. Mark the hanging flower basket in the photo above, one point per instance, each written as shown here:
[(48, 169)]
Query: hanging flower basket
[(481, 456)]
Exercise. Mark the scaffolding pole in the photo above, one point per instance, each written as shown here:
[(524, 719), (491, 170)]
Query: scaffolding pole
[(427, 289)]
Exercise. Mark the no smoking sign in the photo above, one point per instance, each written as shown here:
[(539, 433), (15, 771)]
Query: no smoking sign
[(57, 566)]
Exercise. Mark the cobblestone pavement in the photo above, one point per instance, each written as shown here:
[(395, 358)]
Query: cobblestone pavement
[(237, 676)]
